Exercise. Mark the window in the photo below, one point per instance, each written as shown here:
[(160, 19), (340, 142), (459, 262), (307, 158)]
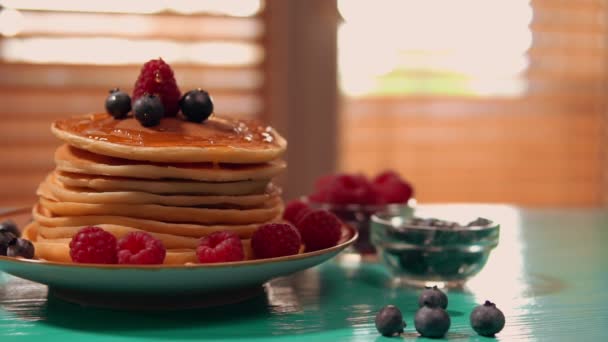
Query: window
[(468, 47), (59, 58), (490, 101)]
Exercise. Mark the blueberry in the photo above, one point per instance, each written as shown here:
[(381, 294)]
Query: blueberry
[(432, 322), (487, 320), (20, 248), (389, 321), (149, 110), (118, 103), (5, 239), (9, 226), (433, 297), (479, 222), (196, 105)]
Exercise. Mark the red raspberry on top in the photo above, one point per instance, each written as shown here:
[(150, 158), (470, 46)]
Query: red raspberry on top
[(93, 245), (275, 240), (140, 248), (392, 188), (320, 229), (293, 209), (156, 78), (222, 246)]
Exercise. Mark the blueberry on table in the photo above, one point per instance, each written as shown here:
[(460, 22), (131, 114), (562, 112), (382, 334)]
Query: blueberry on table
[(9, 226), (432, 322), (196, 105), (389, 321), (118, 103), (487, 319), (149, 110), (20, 248), (433, 298)]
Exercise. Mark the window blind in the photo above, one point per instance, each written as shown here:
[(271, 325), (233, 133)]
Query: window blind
[(543, 147), (60, 58)]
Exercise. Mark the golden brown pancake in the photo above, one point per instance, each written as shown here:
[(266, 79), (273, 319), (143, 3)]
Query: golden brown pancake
[(45, 217), (164, 186), (57, 191), (218, 139), (71, 159), (167, 213)]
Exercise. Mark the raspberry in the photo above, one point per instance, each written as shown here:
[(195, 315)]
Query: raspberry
[(301, 215), (320, 229), (351, 189), (392, 188), (275, 240), (93, 245), (292, 209), (156, 78), (321, 188), (140, 248), (223, 246)]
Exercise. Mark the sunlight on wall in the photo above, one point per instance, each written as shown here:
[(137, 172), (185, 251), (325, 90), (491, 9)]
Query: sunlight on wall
[(240, 8), (111, 51), (91, 32), (475, 47)]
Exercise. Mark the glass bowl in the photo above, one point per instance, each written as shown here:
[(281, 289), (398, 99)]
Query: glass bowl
[(359, 217), (423, 252)]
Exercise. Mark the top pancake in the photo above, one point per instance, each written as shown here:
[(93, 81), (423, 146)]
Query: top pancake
[(174, 140)]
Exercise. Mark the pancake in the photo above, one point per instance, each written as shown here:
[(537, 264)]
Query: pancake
[(218, 139), (167, 186), (58, 192), (71, 159), (166, 213), (45, 217), (169, 240)]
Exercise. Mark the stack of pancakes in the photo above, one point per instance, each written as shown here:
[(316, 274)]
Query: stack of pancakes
[(178, 181)]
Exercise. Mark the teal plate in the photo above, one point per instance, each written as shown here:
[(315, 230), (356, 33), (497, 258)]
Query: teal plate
[(132, 287)]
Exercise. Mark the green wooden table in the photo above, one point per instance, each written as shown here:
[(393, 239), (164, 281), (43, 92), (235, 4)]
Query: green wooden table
[(549, 275)]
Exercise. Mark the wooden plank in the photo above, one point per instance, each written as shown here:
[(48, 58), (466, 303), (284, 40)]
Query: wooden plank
[(479, 107), (46, 102), (567, 5), (226, 79), (158, 26), (537, 158), (301, 87)]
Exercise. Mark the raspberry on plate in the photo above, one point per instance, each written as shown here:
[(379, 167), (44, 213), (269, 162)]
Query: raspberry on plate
[(293, 209), (222, 246), (301, 215), (140, 248), (392, 188), (320, 229), (156, 78), (93, 245), (275, 240)]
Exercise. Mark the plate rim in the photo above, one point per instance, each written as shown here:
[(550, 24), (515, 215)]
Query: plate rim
[(354, 234)]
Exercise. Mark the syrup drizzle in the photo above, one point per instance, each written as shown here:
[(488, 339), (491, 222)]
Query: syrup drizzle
[(216, 131)]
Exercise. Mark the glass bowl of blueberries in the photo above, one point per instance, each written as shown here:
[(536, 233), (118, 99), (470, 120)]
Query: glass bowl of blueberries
[(354, 198), (429, 251)]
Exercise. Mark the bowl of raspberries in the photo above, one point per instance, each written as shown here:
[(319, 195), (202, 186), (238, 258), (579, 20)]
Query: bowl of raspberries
[(354, 198)]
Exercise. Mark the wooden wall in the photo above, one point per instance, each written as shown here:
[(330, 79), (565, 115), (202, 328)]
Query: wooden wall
[(509, 151)]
